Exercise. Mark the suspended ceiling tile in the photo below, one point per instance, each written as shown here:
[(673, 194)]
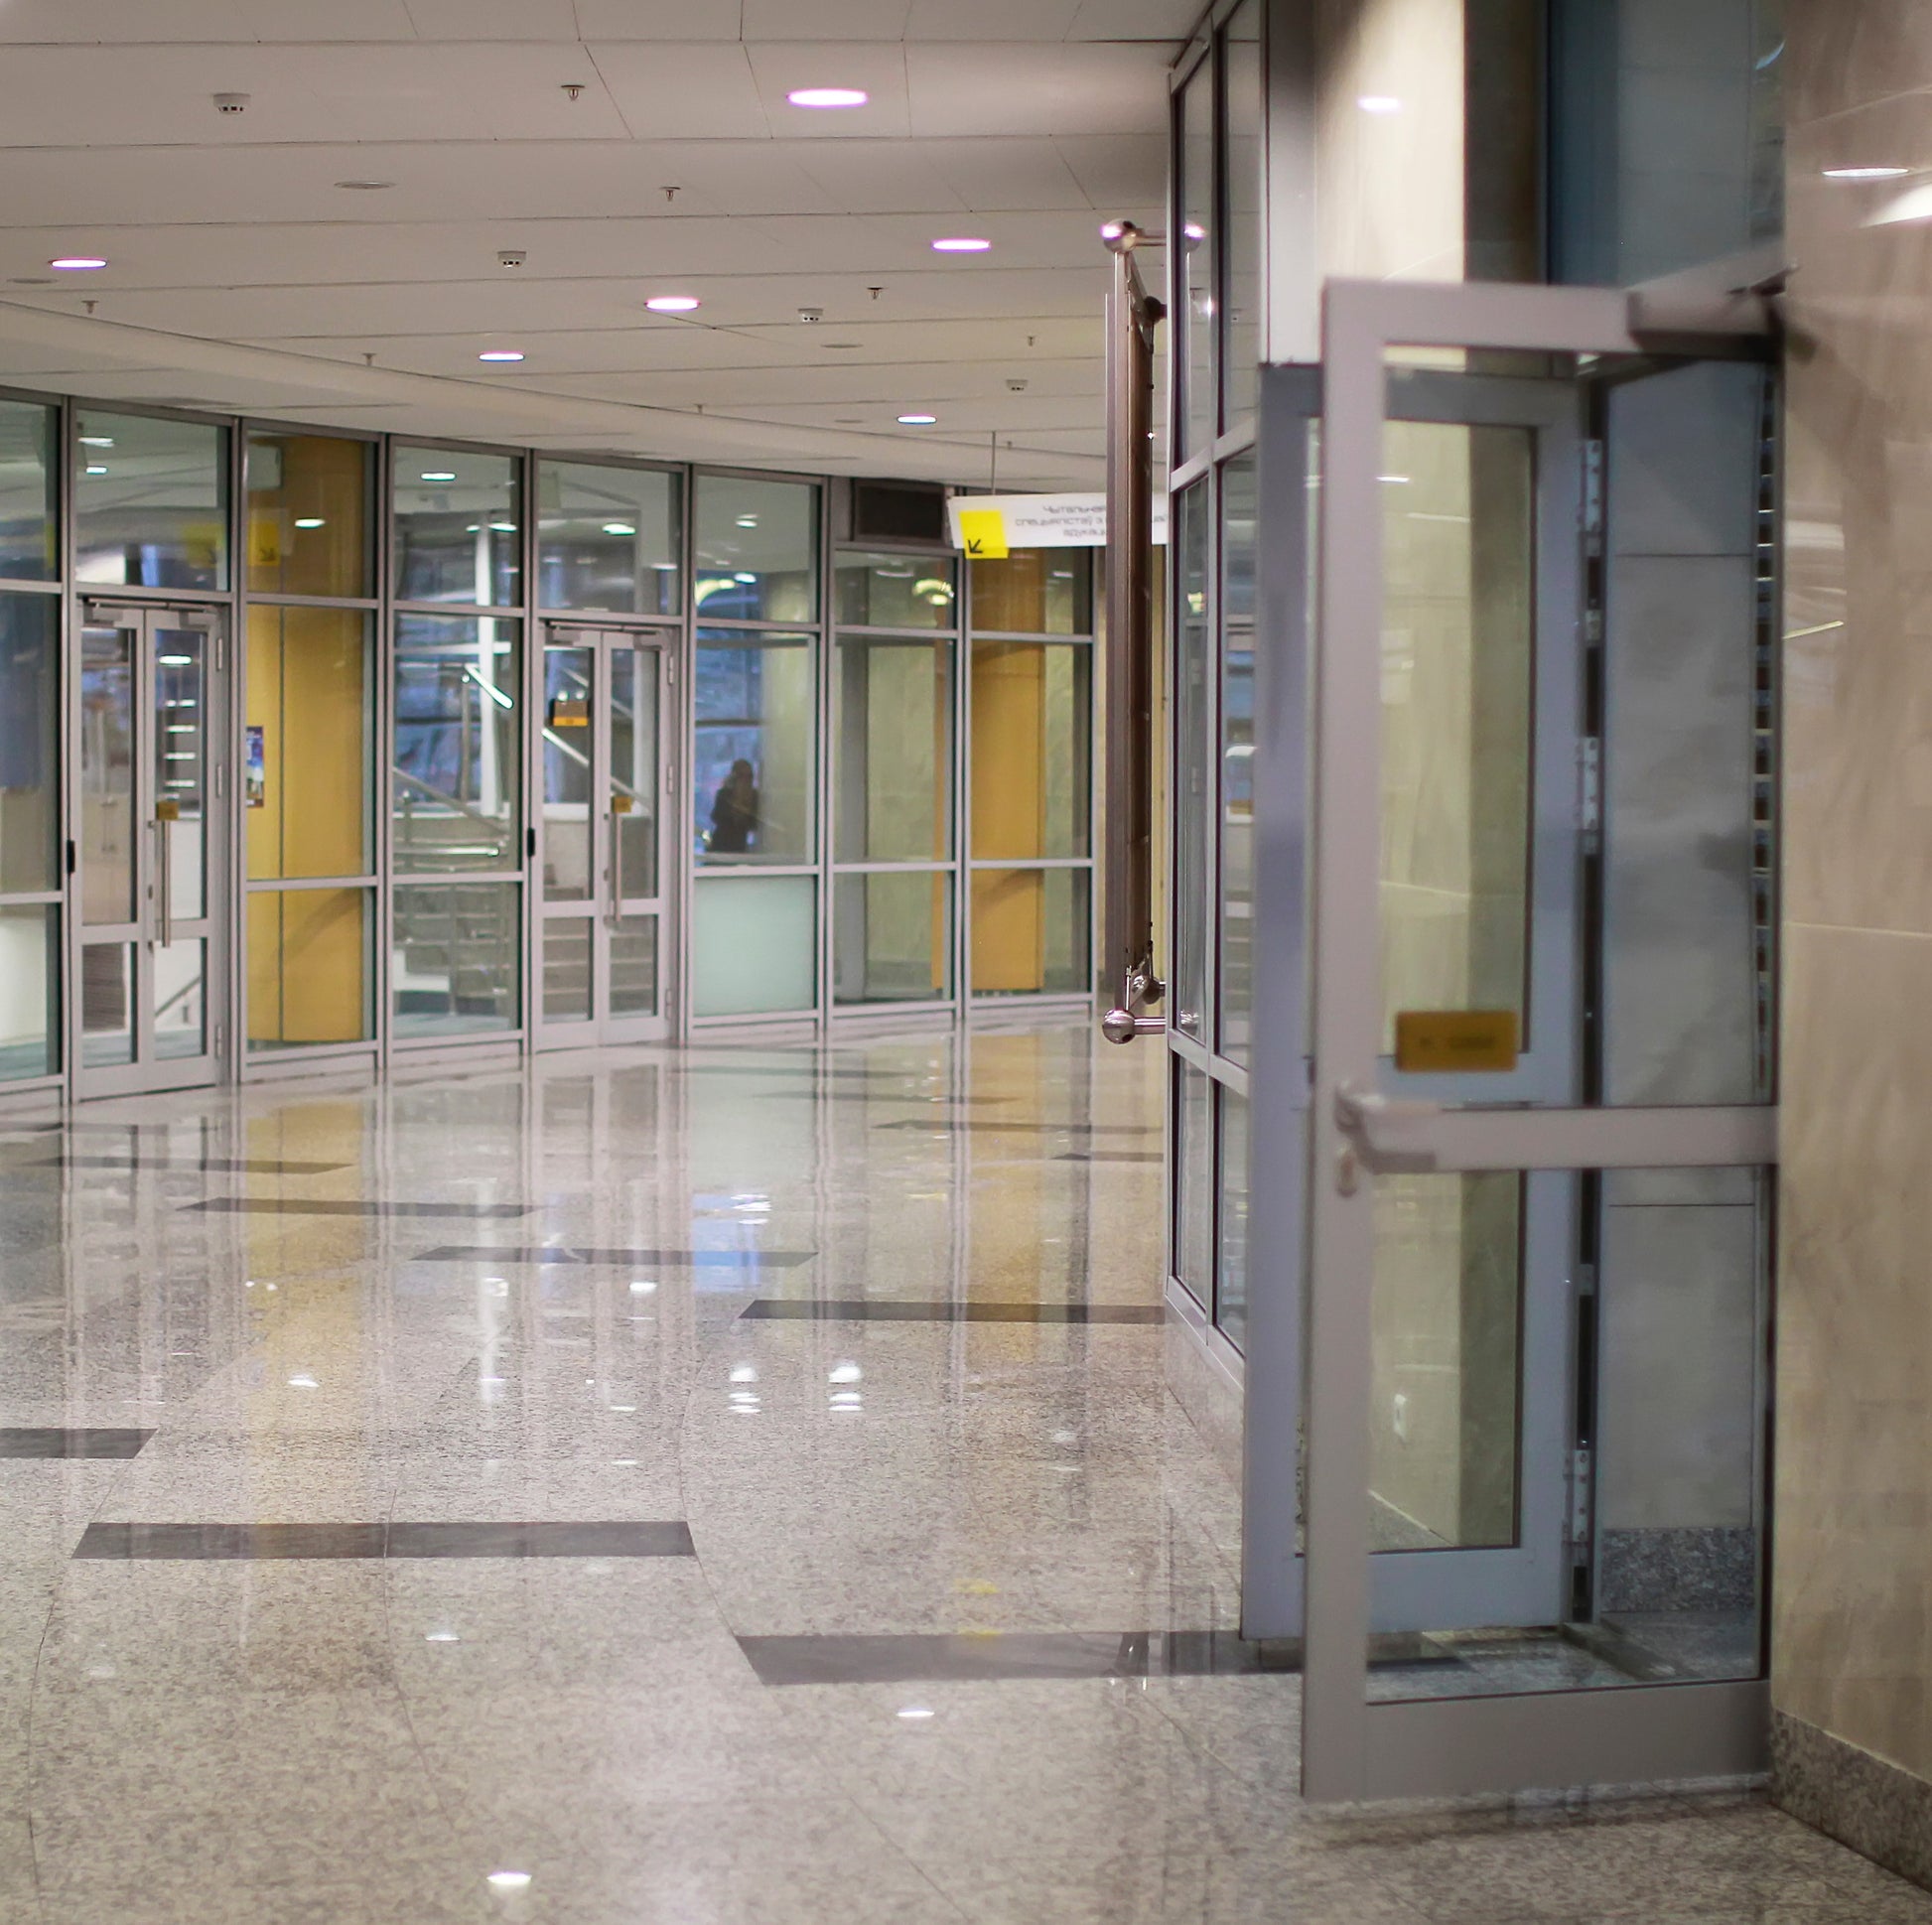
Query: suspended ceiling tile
[(1162, 20), (825, 19), (1005, 176), (492, 18), (989, 88), (1035, 20), (127, 22), (683, 90), (659, 20), (1120, 173)]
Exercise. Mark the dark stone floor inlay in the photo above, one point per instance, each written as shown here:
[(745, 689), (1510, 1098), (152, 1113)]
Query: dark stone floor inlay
[(541, 1252), (216, 1542), (974, 1658), (222, 1165), (1111, 1156), (860, 1309), (52, 1440), (315, 1206)]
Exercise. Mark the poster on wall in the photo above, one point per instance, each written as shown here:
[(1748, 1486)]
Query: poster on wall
[(990, 526), (254, 768)]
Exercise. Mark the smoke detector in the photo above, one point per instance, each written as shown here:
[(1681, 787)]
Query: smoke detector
[(232, 103), (511, 257), (1016, 384), (811, 314)]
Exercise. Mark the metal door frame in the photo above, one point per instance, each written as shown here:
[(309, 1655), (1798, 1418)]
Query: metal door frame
[(1352, 1747), (603, 1030), (215, 926)]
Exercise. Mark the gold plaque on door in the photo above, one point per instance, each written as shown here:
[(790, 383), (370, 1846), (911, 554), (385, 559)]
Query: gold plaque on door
[(167, 811), (621, 805), (1442, 1042), (566, 713)]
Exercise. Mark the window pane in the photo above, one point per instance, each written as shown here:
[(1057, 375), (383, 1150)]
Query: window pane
[(754, 939), (1235, 923), (151, 502), (1459, 639), (569, 692), (107, 1004), (1195, 264), (567, 957), (107, 731), (1241, 235), (608, 538), (308, 967), (309, 515), (28, 741), (459, 523), (634, 966), (894, 752), (1191, 768), (892, 937), (1029, 932), (755, 712), (457, 756), (29, 991), (1034, 592), (757, 549), (1031, 738), (306, 758), (26, 491), (180, 998), (1231, 1283), (1193, 1177), (898, 591), (456, 958)]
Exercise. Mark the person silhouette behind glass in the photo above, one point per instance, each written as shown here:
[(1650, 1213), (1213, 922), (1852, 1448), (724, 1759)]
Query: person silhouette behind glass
[(735, 812)]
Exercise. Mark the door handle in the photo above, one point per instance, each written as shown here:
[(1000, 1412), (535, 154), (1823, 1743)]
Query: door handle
[(621, 806), (166, 815), (1379, 1132)]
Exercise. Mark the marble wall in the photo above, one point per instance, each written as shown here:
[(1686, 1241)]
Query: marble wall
[(1853, 1648)]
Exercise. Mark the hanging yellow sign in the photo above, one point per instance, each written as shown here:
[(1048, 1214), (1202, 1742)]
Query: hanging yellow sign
[(1442, 1042), (983, 534)]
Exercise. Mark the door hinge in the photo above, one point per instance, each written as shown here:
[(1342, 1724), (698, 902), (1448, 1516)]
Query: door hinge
[(1582, 1472), (670, 779), (220, 1039), (221, 783), (1594, 495), (1590, 790)]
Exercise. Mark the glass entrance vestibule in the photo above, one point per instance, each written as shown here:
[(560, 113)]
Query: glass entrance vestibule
[(319, 747)]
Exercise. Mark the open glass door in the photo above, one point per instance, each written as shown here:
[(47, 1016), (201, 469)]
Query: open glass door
[(603, 923), (152, 855), (1514, 831)]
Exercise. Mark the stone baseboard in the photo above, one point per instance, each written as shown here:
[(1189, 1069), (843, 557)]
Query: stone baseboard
[(1854, 1796)]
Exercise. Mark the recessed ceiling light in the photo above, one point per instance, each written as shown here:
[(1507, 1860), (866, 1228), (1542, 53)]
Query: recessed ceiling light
[(97, 470), (960, 244), (311, 521), (78, 263), (618, 528), (510, 1881), (500, 354), (1865, 172), (747, 521), (749, 581), (438, 474), (671, 303), (365, 187), (917, 420), (96, 441), (828, 96), (1379, 103)]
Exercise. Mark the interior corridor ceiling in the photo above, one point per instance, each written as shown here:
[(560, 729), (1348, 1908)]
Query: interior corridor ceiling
[(627, 149)]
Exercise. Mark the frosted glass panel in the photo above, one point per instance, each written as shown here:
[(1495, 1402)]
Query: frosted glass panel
[(753, 942)]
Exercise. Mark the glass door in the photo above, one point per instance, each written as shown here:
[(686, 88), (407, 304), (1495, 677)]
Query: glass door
[(603, 859), (151, 857), (1512, 817)]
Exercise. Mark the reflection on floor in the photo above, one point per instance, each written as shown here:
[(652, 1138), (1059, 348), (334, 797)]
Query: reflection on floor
[(531, 1580)]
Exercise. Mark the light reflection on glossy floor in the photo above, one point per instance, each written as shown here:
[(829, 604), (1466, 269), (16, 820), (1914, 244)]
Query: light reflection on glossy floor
[(580, 1738)]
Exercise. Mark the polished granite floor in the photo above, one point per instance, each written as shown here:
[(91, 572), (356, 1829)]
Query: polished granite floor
[(683, 1488)]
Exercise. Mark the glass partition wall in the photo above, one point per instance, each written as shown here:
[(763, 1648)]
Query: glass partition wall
[(1215, 341), (320, 745)]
